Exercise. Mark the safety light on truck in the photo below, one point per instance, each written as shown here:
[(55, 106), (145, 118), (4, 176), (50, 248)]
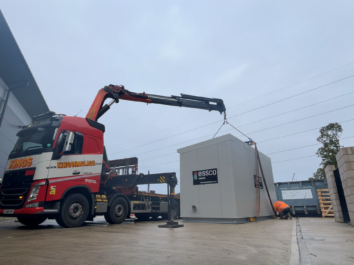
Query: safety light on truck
[(34, 193), (32, 205)]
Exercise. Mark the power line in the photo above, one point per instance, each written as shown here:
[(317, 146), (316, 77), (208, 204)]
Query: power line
[(311, 105), (253, 132), (159, 156), (267, 105), (304, 146), (298, 120), (292, 84), (266, 94), (266, 154), (293, 159), (307, 91), (271, 139), (286, 150), (161, 164)]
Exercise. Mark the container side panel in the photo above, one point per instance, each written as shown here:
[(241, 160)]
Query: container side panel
[(226, 180), (244, 167), (209, 194), (189, 193), (266, 207), (244, 171)]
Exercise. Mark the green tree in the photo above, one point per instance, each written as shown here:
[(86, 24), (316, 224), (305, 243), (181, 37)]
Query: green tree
[(329, 137), (319, 174)]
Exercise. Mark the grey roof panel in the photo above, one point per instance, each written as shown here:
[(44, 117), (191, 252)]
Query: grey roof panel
[(15, 72)]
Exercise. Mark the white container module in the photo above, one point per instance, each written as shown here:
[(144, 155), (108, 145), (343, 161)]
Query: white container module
[(217, 181)]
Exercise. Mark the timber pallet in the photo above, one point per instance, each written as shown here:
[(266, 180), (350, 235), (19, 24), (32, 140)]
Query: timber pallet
[(325, 203)]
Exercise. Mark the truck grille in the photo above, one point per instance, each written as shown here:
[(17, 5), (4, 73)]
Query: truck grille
[(14, 185)]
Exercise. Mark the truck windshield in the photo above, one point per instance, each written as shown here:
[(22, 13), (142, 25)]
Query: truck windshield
[(34, 141)]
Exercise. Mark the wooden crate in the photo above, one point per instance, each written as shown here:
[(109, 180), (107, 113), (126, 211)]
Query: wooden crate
[(325, 203)]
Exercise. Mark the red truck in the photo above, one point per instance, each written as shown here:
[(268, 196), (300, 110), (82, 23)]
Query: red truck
[(58, 168)]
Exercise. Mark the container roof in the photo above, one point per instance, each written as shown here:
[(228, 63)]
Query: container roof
[(16, 74), (219, 139), (223, 138)]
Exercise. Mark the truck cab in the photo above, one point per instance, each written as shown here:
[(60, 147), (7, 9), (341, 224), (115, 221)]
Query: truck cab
[(53, 156)]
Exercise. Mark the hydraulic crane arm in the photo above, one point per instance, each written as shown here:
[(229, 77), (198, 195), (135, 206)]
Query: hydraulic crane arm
[(119, 92)]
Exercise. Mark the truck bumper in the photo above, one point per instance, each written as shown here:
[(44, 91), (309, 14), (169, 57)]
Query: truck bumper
[(22, 212)]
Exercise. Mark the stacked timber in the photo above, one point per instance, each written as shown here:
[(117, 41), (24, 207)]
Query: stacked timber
[(325, 203)]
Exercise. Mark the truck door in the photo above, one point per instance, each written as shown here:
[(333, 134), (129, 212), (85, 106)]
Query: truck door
[(71, 162), (93, 156)]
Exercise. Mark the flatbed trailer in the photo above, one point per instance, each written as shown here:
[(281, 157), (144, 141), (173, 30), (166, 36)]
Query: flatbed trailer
[(142, 204)]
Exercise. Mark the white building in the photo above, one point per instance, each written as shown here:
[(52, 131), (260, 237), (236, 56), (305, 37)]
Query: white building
[(20, 97)]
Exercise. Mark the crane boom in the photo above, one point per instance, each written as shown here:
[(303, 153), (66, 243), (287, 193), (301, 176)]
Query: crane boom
[(119, 92)]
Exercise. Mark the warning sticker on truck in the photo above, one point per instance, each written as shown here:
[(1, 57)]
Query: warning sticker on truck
[(206, 176), (52, 190)]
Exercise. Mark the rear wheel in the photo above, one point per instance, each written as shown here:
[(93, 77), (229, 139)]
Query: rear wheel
[(32, 221), (117, 212), (74, 211)]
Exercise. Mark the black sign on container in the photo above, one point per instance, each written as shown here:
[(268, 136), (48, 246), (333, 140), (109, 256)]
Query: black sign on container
[(206, 176), (258, 183)]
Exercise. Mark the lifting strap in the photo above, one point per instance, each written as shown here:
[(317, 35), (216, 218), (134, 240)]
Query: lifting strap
[(258, 164)]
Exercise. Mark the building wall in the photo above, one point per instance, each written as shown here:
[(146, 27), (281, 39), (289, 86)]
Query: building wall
[(15, 116)]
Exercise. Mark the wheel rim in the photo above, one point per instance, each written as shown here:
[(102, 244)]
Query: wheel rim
[(119, 210), (75, 210)]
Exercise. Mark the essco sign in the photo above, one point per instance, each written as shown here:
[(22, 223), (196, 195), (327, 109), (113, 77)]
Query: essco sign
[(206, 176)]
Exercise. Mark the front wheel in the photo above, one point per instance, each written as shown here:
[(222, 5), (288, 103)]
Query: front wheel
[(74, 211), (32, 222), (117, 212)]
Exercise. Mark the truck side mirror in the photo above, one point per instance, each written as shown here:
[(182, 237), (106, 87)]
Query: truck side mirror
[(59, 146), (68, 142)]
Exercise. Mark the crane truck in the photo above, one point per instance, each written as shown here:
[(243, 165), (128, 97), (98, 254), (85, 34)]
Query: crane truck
[(58, 168)]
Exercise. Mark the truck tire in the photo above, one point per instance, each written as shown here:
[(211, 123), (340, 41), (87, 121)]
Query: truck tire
[(73, 211), (32, 222), (117, 212), (142, 216)]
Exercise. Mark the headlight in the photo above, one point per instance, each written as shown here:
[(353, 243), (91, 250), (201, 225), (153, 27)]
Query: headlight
[(34, 193), (32, 205)]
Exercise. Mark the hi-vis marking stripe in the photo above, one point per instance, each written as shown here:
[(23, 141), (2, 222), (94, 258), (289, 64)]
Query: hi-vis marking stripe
[(71, 178), (162, 179)]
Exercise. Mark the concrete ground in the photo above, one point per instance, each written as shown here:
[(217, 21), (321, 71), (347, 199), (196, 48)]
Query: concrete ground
[(326, 242), (145, 243), (306, 240)]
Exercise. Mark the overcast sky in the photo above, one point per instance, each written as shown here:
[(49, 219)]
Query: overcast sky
[(233, 50)]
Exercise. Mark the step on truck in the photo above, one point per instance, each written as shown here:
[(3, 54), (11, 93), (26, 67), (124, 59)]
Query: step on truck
[(59, 169)]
